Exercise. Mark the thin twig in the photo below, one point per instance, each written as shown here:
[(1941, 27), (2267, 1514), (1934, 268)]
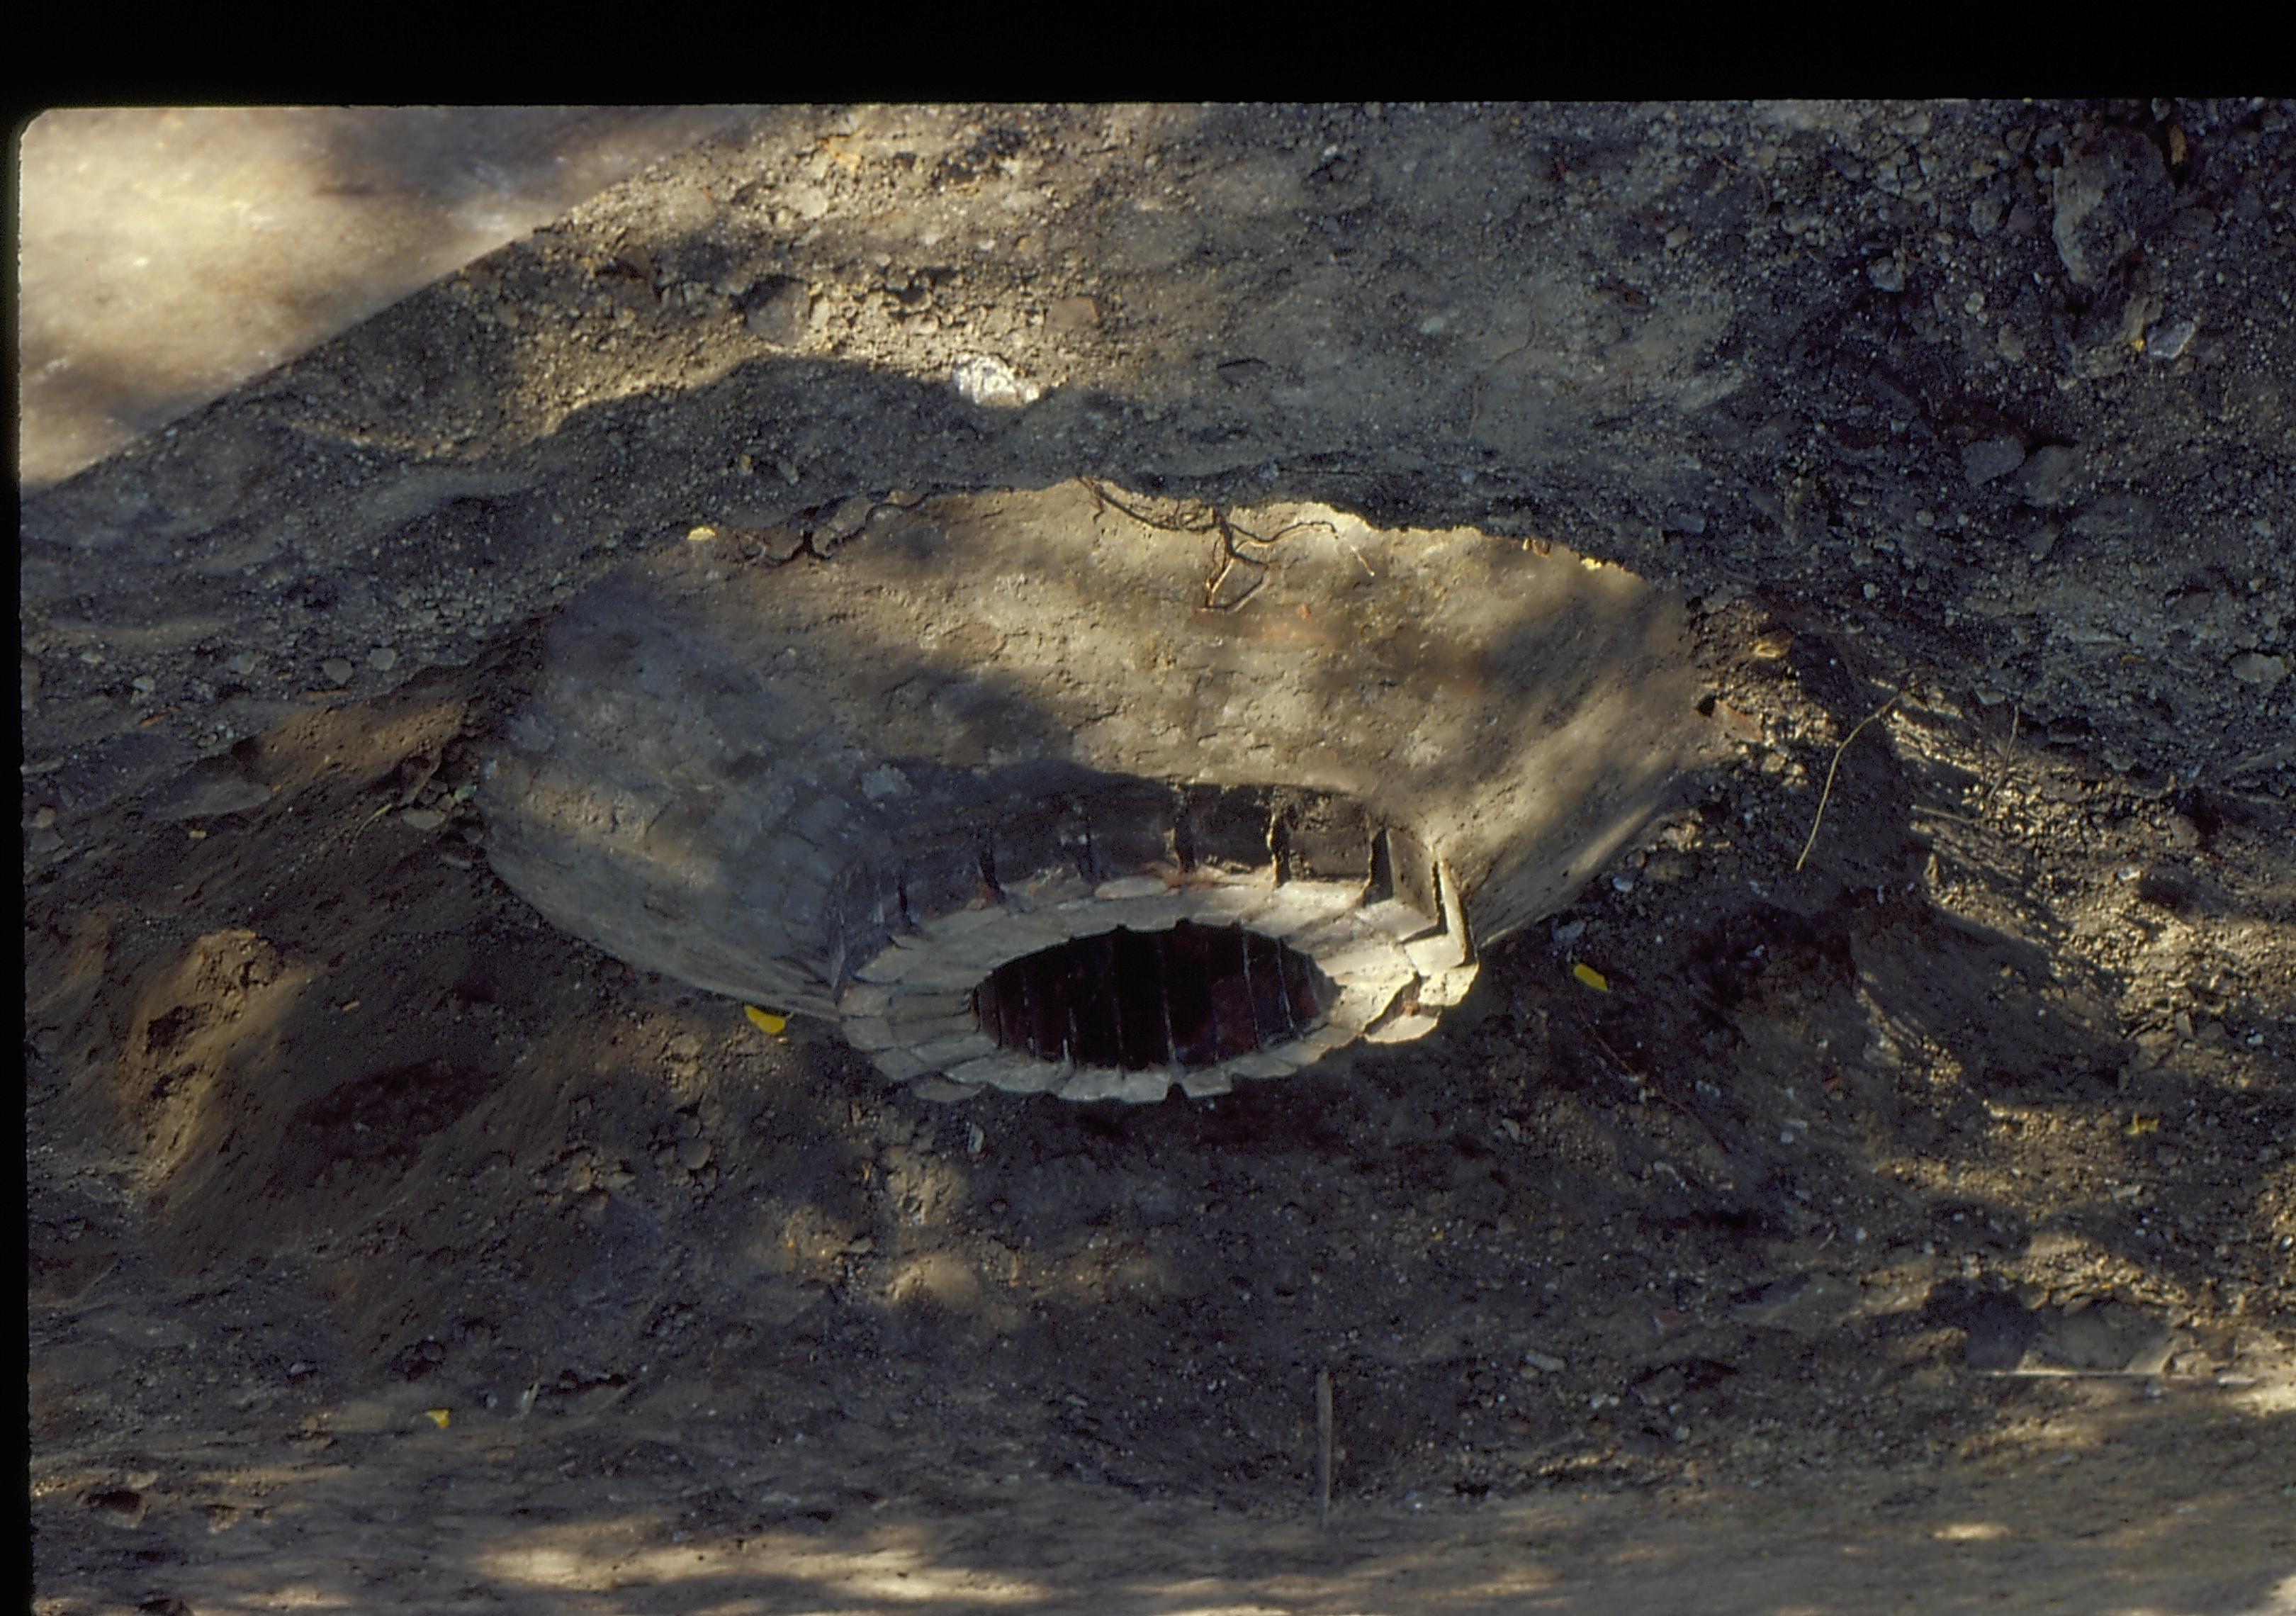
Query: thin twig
[(360, 829), (1825, 794), (1633, 1079), (1643, 1086), (1101, 496), (2051, 1374), (1323, 1448), (1215, 522)]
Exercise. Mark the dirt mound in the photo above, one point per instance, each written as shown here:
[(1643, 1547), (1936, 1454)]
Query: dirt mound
[(1890, 1148)]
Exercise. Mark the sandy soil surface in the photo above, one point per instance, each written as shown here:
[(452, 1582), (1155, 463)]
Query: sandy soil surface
[(1897, 1211), (168, 254)]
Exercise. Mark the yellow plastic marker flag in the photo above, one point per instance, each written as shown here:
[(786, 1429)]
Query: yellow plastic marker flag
[(765, 1020), (1590, 976), (438, 1417)]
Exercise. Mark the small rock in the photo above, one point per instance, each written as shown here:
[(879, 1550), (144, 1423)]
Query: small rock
[(992, 384), (422, 819), (43, 817), (2169, 339), (883, 782), (1738, 723), (382, 658), (144, 684), (338, 670), (2117, 516), (1544, 1363), (1664, 1386), (1887, 275), (2047, 477), (2111, 1336), (850, 515), (777, 309), (1990, 457), (2106, 198), (2254, 667), (242, 663), (694, 1155), (1071, 313)]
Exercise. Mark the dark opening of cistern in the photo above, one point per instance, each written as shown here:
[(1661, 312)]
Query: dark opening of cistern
[(1192, 995)]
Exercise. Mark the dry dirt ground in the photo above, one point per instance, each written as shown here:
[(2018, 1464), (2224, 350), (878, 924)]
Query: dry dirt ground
[(1904, 1222)]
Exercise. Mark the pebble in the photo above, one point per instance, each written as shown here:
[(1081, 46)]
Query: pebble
[(2169, 339), (2047, 477), (1071, 313), (424, 819), (242, 663), (338, 670), (1887, 275), (2101, 198), (2117, 516), (1990, 457), (992, 384), (2254, 667), (1545, 1363), (778, 309), (382, 657)]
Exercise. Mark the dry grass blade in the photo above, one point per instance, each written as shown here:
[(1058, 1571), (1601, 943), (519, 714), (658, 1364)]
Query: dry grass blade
[(1832, 768), (1323, 1448)]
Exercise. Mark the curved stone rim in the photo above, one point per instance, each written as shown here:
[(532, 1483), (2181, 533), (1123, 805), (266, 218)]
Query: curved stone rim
[(909, 1008)]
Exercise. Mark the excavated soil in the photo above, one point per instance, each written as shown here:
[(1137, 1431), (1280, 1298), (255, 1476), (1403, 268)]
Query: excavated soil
[(1876, 1191)]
